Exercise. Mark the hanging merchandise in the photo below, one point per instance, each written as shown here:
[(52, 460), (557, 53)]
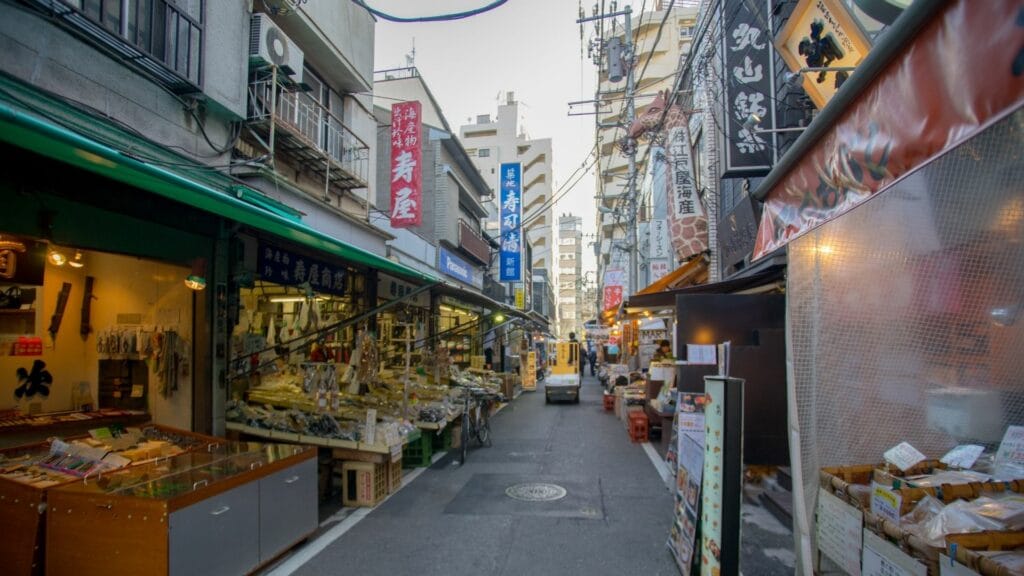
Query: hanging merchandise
[(87, 299), (58, 313)]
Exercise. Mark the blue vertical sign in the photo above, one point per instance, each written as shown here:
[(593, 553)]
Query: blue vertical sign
[(511, 195)]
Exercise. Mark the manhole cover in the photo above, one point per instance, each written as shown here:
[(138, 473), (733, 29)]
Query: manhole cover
[(536, 492)]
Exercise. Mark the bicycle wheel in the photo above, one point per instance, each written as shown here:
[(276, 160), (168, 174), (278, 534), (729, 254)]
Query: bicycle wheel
[(464, 439), (484, 431)]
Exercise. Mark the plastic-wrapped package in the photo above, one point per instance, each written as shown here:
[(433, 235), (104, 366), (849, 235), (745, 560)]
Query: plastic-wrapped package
[(931, 521), (1011, 560), (949, 477), (1006, 508)]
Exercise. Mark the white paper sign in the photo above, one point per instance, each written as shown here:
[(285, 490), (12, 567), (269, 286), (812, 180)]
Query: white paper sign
[(948, 567), (903, 456), (1011, 449), (370, 436), (963, 456), (885, 503), (883, 559), (701, 354), (396, 452), (839, 529)]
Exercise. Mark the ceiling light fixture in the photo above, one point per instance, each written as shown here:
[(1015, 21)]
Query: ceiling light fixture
[(56, 257), (77, 261), (197, 279)]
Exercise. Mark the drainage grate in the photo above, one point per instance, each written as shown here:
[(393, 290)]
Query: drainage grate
[(536, 492)]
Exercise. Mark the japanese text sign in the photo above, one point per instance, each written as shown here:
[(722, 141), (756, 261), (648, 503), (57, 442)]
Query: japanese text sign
[(688, 224), (406, 169), (748, 88), (280, 266), (511, 197), (613, 283)]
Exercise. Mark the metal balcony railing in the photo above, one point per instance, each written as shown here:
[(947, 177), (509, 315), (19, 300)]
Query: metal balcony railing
[(302, 128)]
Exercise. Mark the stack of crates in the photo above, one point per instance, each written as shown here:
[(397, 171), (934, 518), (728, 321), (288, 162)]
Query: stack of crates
[(442, 439), (364, 483), (394, 475), (419, 452)]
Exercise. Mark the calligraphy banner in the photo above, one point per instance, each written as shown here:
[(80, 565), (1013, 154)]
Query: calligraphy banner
[(406, 171), (749, 86), (930, 99), (287, 268), (613, 285), (511, 252), (688, 222)]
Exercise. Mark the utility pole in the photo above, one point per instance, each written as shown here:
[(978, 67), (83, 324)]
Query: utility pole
[(617, 57)]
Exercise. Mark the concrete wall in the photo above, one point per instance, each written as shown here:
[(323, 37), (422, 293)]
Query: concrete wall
[(44, 54), (337, 39)]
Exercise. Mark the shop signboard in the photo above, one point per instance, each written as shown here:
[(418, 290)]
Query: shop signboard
[(944, 99), (520, 293), (511, 197), (391, 288), (613, 284), (658, 247), (406, 169), (281, 266), (822, 34), (22, 261), (452, 265), (688, 223), (659, 268), (749, 86)]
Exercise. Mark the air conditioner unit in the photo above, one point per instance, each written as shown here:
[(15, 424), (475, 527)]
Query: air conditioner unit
[(268, 46)]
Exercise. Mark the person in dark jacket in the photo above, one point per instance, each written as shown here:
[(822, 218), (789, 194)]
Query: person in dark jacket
[(592, 356)]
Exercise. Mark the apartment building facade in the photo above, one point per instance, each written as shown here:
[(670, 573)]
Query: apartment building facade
[(570, 274)]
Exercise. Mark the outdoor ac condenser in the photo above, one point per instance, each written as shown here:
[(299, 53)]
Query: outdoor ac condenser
[(268, 46)]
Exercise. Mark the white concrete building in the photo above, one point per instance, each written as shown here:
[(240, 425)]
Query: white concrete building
[(493, 141), (570, 274)]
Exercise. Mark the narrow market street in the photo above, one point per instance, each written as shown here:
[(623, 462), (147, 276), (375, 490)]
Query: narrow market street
[(614, 518), (456, 520)]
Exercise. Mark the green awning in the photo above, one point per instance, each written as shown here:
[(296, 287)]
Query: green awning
[(41, 123)]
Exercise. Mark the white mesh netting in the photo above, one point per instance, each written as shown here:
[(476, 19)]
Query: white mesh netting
[(917, 291)]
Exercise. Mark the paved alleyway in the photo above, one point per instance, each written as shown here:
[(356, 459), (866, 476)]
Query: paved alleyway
[(451, 520)]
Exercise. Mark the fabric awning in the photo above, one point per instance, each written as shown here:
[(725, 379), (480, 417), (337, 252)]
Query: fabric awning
[(693, 272), (770, 271), (478, 299), (35, 121)]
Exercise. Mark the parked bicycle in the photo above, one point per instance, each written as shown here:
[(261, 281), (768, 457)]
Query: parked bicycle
[(476, 418)]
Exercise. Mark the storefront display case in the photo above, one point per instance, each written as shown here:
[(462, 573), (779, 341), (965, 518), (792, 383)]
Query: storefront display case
[(28, 473), (225, 511)]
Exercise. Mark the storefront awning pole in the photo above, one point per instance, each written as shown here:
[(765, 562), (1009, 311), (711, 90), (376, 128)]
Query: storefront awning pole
[(337, 325)]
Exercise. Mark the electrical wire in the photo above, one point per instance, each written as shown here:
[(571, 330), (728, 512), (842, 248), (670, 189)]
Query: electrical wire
[(435, 18)]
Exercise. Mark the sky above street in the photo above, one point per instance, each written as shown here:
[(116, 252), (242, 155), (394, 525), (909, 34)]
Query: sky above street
[(530, 47)]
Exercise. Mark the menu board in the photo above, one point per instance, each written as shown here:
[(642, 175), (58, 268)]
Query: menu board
[(689, 447), (839, 532)]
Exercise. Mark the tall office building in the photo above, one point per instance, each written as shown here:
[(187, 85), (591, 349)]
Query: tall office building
[(491, 142), (570, 274)]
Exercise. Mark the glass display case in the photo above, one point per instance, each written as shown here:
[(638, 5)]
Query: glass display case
[(225, 510), (27, 473)]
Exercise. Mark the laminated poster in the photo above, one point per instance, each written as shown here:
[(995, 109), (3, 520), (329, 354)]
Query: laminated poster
[(711, 504), (839, 529), (689, 446), (884, 559)]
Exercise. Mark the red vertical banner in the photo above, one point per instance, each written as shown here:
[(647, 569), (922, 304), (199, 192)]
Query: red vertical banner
[(406, 172)]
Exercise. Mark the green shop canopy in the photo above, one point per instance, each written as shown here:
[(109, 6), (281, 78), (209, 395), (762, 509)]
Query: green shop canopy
[(46, 125)]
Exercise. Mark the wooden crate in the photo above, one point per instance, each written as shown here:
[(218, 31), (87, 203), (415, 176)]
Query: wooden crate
[(394, 476), (967, 547), (364, 484)]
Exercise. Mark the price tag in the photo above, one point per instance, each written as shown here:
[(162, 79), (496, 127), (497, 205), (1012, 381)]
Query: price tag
[(396, 452), (885, 503), (948, 567), (903, 456), (883, 559), (963, 456), (371, 426), (1011, 449), (839, 532)]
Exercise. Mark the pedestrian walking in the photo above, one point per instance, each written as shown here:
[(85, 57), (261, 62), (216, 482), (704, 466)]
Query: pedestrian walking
[(592, 356)]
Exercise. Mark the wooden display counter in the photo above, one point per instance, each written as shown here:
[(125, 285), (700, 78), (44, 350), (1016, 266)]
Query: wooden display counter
[(228, 511), (23, 504)]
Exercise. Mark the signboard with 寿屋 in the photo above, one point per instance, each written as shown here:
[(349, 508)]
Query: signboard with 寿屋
[(510, 255), (281, 266), (406, 172)]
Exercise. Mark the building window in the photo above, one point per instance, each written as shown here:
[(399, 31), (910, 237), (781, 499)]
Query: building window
[(484, 153), (169, 31)]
